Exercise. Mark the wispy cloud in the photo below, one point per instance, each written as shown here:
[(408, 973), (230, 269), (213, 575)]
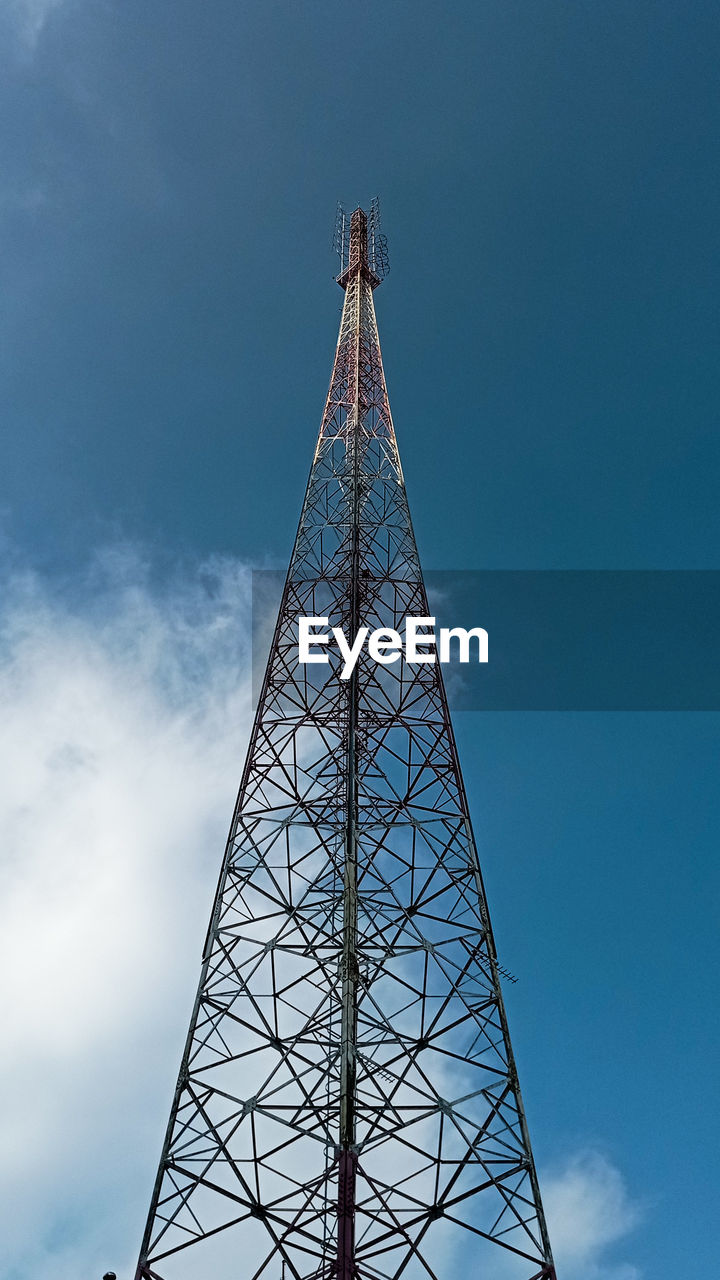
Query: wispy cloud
[(29, 18), (589, 1209)]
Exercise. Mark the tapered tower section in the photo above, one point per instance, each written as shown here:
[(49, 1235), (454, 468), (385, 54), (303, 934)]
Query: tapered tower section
[(347, 1104)]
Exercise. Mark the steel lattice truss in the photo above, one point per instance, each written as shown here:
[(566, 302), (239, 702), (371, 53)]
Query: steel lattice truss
[(348, 1103)]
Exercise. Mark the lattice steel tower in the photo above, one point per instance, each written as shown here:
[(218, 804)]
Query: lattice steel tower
[(348, 1104)]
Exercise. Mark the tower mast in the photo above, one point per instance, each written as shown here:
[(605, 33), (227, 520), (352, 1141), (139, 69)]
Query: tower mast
[(347, 1156), (348, 1104)]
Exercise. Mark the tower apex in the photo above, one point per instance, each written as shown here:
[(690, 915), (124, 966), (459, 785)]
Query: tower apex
[(361, 247)]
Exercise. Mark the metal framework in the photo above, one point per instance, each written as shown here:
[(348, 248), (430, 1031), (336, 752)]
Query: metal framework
[(347, 1104)]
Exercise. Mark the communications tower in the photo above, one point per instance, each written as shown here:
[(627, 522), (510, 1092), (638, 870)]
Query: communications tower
[(347, 1106)]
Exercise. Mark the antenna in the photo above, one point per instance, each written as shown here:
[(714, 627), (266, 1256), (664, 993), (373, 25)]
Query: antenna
[(377, 243), (506, 973), (341, 237)]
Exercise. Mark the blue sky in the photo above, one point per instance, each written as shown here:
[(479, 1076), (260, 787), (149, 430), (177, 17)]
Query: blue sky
[(549, 182)]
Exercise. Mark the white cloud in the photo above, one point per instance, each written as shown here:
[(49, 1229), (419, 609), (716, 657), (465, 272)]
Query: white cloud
[(123, 719), (588, 1209)]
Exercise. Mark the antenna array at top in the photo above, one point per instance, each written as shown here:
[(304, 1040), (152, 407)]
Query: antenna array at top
[(378, 260)]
